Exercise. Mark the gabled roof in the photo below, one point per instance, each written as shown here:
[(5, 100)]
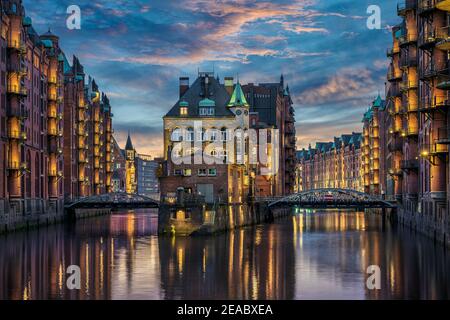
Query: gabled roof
[(201, 94), (238, 98)]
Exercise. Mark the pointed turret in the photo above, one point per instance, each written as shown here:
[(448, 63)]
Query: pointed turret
[(129, 145), (238, 98)]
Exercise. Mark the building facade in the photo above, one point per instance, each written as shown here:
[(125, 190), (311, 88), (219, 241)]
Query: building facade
[(336, 164), (418, 135), (373, 153), (146, 175), (30, 113), (272, 108), (43, 115), (203, 124)]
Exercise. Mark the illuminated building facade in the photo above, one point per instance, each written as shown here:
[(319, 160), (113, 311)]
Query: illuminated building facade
[(87, 135), (43, 115), (130, 167), (221, 108), (272, 107), (335, 164), (373, 151), (30, 110), (417, 92)]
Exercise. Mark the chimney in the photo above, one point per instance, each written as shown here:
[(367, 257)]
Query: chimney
[(184, 86), (229, 85)]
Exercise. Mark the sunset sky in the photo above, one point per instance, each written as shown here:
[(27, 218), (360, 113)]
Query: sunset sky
[(136, 50)]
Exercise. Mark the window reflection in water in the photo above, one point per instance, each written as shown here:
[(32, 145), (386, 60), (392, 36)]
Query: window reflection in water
[(310, 255)]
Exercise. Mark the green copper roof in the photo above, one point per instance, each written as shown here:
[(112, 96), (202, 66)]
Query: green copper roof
[(47, 43), (207, 103), (184, 104), (238, 98), (378, 102), (26, 21)]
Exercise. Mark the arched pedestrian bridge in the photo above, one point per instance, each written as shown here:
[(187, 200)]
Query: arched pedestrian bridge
[(114, 201), (332, 199)]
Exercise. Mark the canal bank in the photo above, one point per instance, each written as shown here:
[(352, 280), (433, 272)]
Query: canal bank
[(193, 217), (25, 214)]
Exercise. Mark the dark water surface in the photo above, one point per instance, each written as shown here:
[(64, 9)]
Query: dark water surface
[(321, 255)]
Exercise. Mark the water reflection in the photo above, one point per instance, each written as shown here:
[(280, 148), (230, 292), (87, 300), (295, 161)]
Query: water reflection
[(307, 256)]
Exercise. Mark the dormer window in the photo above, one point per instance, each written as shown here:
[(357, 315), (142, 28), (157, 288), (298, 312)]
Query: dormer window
[(184, 108), (206, 111), (183, 111)]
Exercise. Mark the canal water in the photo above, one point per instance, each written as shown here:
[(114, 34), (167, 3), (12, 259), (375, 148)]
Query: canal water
[(310, 255)]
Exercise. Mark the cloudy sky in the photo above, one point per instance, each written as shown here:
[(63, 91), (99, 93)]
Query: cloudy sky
[(137, 49)]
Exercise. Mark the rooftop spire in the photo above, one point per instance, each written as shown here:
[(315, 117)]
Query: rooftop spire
[(238, 97), (129, 145)]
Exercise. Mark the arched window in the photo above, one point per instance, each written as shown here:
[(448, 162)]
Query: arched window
[(190, 134), (176, 135), (224, 136)]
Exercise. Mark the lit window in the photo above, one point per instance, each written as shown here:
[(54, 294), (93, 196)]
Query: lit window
[(183, 111), (187, 172)]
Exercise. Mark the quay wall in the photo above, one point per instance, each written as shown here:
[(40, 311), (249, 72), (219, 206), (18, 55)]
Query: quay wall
[(204, 220), (29, 213), (23, 214)]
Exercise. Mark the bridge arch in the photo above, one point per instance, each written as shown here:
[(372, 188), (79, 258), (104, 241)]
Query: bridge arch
[(119, 200), (332, 198)]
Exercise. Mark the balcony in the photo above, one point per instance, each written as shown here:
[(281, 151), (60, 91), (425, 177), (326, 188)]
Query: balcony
[(395, 144), (408, 165), (392, 51), (17, 90), (394, 75), (411, 131), (443, 5), (53, 80), (438, 103), (55, 133), (406, 5), (55, 173), (443, 39), (407, 39), (395, 171), (426, 6), (410, 106), (434, 149), (408, 85), (17, 68), (432, 71), (19, 46), (17, 135), (443, 136), (15, 165), (407, 61)]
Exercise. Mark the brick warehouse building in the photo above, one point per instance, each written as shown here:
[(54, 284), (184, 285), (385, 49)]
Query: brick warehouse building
[(37, 144), (335, 164), (418, 117)]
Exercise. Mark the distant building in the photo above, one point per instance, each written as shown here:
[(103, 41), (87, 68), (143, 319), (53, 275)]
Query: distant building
[(130, 167), (272, 107), (146, 175), (335, 164), (119, 168)]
